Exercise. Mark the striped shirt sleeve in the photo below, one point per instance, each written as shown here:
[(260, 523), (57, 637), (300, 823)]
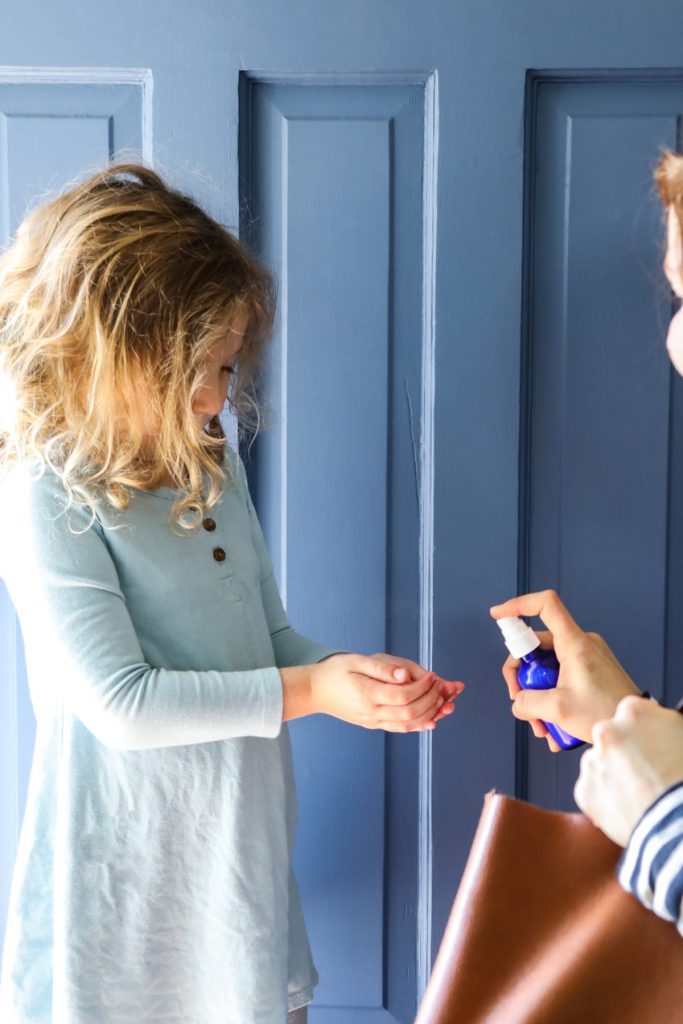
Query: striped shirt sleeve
[(651, 866)]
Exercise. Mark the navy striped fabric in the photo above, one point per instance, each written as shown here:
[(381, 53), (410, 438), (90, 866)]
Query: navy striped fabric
[(651, 866)]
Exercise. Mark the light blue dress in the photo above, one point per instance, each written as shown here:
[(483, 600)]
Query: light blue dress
[(153, 879)]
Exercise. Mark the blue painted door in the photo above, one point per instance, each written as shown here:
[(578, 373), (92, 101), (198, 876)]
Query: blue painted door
[(469, 390)]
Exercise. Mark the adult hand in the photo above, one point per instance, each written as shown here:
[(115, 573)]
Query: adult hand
[(447, 689), (591, 681), (637, 755)]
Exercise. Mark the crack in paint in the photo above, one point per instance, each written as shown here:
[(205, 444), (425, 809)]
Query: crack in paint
[(413, 442)]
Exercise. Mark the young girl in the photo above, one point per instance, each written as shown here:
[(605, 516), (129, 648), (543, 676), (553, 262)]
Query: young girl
[(153, 880)]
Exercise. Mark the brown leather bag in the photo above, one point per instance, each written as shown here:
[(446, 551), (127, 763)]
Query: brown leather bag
[(541, 932)]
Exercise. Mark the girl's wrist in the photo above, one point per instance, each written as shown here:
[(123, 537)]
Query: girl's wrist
[(297, 692)]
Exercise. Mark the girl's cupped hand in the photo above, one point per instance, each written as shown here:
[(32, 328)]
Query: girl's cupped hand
[(381, 692)]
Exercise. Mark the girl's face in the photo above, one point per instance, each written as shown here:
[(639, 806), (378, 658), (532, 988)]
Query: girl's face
[(212, 395), (673, 268)]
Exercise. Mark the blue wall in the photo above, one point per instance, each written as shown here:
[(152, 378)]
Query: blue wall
[(469, 384)]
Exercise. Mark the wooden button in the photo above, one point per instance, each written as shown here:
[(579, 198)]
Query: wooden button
[(209, 524), (219, 554)]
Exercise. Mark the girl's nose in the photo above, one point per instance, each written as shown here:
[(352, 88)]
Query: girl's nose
[(209, 401)]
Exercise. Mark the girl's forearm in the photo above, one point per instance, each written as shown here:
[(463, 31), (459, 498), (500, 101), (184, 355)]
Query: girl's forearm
[(297, 692)]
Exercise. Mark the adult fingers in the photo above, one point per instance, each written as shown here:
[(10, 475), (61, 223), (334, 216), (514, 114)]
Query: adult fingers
[(611, 732), (548, 606), (546, 638), (536, 704), (510, 676), (511, 666), (537, 707), (538, 728), (630, 709), (590, 781), (582, 787)]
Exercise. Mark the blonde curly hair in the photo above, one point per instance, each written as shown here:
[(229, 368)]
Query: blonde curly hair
[(669, 181), (111, 298)]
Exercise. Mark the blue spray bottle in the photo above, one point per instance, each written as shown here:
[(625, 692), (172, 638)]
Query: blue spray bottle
[(539, 669)]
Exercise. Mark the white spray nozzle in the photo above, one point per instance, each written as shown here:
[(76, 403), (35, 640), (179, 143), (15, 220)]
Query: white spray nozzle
[(519, 638)]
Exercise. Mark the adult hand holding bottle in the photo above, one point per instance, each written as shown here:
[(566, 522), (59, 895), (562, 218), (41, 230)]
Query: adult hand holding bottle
[(591, 681)]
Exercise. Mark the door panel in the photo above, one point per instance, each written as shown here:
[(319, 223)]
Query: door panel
[(598, 446), (55, 125), (333, 199)]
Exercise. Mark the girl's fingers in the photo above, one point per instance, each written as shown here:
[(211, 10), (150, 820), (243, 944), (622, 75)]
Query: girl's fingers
[(445, 711), (409, 705), (416, 671), (427, 704), (413, 670), (392, 694), (421, 722), (455, 685), (449, 690), (447, 707), (379, 670), (424, 722)]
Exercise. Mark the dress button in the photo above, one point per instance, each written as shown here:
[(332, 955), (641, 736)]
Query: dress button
[(219, 554), (209, 524)]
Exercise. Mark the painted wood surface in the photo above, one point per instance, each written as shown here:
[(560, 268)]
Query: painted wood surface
[(469, 388)]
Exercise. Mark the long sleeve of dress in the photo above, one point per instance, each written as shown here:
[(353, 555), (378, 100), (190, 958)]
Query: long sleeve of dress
[(65, 584), (72, 597), (651, 866)]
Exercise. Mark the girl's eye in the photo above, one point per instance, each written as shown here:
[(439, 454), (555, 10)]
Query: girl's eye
[(228, 369)]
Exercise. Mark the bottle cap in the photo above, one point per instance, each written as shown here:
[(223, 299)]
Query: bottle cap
[(519, 638)]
